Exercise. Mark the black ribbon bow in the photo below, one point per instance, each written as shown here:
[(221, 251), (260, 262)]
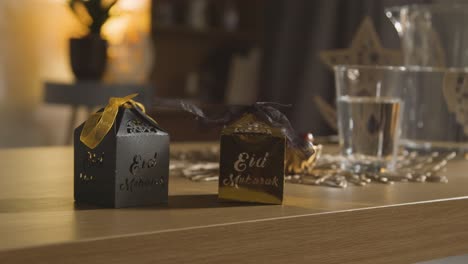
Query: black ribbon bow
[(268, 112)]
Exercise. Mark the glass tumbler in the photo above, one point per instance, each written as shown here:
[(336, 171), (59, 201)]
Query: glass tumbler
[(432, 35), (370, 105)]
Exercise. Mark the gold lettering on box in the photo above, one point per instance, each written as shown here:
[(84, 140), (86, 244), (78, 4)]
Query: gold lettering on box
[(92, 160), (138, 165)]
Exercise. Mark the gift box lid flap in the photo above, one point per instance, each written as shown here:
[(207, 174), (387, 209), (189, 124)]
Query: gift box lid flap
[(250, 124), (132, 120)]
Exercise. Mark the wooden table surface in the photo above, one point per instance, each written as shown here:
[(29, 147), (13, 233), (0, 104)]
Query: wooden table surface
[(400, 223)]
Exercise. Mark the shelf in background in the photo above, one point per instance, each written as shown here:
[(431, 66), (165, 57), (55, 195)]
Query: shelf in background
[(183, 31)]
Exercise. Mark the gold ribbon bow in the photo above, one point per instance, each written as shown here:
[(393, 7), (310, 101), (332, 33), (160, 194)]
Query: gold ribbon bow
[(99, 124)]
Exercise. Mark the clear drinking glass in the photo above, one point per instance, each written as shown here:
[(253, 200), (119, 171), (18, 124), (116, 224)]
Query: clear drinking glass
[(435, 116), (432, 35), (369, 115), (434, 41)]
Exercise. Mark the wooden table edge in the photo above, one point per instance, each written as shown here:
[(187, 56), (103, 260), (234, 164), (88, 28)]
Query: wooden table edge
[(394, 233)]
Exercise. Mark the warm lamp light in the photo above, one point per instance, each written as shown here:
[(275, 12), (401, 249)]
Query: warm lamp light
[(130, 50)]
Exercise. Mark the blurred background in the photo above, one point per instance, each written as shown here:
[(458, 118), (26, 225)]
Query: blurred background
[(210, 52)]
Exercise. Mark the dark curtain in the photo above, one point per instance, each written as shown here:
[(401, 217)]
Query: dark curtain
[(296, 31)]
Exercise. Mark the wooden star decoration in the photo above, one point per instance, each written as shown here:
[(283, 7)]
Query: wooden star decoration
[(455, 90), (365, 49)]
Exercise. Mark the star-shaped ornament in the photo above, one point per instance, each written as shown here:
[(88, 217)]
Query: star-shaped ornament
[(455, 90), (365, 49)]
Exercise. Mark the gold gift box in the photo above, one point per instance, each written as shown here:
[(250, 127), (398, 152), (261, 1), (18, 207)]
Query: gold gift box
[(252, 162)]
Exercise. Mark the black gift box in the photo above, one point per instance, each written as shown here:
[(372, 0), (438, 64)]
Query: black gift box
[(129, 167), (252, 162)]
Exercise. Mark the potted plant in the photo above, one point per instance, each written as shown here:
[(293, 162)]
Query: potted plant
[(88, 54)]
